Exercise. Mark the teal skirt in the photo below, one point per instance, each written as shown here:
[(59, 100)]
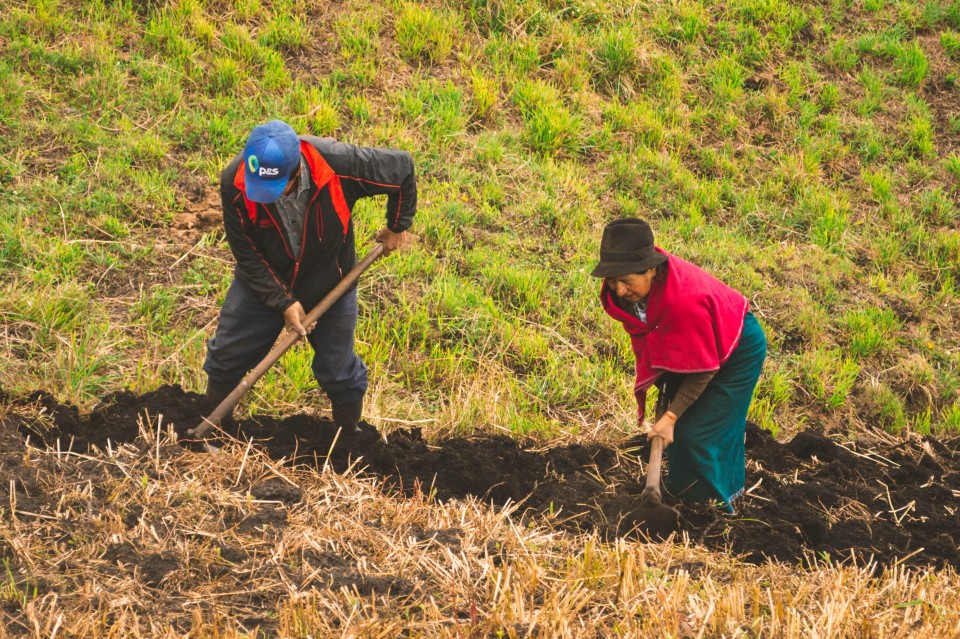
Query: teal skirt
[(705, 463)]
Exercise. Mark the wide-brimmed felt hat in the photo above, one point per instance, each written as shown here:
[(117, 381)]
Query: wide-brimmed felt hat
[(270, 156), (627, 247)]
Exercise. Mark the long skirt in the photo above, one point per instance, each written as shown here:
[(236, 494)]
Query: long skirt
[(706, 462)]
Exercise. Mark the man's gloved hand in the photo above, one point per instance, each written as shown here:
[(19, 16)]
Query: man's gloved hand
[(295, 316), (664, 428), (391, 241)]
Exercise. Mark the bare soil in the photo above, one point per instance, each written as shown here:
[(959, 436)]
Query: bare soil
[(811, 499)]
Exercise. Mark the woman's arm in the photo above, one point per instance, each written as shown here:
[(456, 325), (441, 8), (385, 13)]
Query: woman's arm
[(691, 387)]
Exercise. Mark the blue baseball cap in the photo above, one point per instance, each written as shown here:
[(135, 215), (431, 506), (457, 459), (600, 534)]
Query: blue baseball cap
[(269, 159)]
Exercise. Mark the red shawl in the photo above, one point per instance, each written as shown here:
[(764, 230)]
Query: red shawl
[(693, 324)]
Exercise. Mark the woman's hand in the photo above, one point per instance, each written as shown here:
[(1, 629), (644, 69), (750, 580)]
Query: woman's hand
[(664, 428)]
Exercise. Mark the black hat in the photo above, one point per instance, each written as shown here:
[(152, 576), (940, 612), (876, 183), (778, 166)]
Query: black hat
[(627, 247)]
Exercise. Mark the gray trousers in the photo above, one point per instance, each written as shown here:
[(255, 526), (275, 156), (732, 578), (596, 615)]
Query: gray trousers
[(248, 328)]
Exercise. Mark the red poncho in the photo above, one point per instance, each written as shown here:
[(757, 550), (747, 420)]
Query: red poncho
[(693, 324)]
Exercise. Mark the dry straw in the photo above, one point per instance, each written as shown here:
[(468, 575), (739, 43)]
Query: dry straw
[(150, 540)]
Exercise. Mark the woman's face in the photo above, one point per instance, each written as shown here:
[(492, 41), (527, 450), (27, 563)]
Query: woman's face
[(633, 287)]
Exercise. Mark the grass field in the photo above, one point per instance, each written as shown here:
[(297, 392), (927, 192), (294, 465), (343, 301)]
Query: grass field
[(807, 153)]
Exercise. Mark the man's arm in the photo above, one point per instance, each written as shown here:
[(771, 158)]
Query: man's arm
[(252, 269), (365, 172)]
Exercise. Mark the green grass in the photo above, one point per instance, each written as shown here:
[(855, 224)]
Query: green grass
[(792, 149), (950, 41), (425, 34)]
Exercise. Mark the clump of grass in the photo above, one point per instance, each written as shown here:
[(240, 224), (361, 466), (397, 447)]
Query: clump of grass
[(909, 59), (360, 109), (950, 419), (842, 55), (485, 95), (871, 331), (918, 128), (828, 219), (437, 108), (225, 76), (285, 31), (774, 392), (615, 59), (512, 57), (359, 35), (325, 119), (912, 65), (937, 207), (680, 23), (875, 92), (880, 184), (919, 380), (950, 41), (829, 97), (550, 126), (887, 409), (725, 77), (828, 376), (425, 34), (14, 591), (165, 33), (952, 165)]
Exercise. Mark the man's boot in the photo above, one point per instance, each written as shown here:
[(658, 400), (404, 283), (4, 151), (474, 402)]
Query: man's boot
[(347, 416)]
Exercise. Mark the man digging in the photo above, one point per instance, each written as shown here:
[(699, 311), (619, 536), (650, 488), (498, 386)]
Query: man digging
[(287, 203)]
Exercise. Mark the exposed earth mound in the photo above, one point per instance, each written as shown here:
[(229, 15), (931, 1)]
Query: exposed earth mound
[(811, 498)]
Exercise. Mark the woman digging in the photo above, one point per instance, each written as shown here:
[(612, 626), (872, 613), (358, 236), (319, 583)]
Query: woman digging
[(695, 338)]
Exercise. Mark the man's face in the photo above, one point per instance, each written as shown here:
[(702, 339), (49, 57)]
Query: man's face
[(634, 286)]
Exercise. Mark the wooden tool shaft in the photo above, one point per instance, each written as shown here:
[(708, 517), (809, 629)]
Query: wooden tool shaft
[(653, 468), (656, 447)]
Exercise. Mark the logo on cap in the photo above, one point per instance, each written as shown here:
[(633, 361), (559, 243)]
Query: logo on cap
[(255, 167)]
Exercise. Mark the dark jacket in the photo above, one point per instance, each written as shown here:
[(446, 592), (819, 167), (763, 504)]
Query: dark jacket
[(340, 174)]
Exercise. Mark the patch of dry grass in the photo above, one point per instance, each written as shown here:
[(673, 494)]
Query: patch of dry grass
[(149, 540)]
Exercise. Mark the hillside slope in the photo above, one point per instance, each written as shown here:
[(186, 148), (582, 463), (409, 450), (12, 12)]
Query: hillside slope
[(807, 153)]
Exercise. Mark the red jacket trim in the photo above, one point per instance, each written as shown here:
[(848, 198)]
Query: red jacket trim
[(322, 176)]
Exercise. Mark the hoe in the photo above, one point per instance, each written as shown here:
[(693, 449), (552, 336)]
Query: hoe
[(212, 420), (657, 519)]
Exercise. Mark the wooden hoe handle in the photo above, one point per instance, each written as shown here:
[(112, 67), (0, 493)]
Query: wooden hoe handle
[(653, 468), (656, 449), (283, 345)]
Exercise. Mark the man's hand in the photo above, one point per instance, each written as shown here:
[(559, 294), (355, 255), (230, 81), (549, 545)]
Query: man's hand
[(294, 316), (664, 428), (391, 241)]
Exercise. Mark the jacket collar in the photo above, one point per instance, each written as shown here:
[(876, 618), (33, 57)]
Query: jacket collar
[(320, 173)]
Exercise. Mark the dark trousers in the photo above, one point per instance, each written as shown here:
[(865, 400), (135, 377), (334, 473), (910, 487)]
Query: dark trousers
[(248, 328)]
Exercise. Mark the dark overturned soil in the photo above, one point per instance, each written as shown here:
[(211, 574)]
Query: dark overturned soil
[(808, 499)]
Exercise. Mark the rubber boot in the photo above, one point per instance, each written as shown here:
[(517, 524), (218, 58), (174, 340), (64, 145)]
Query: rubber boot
[(347, 416)]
